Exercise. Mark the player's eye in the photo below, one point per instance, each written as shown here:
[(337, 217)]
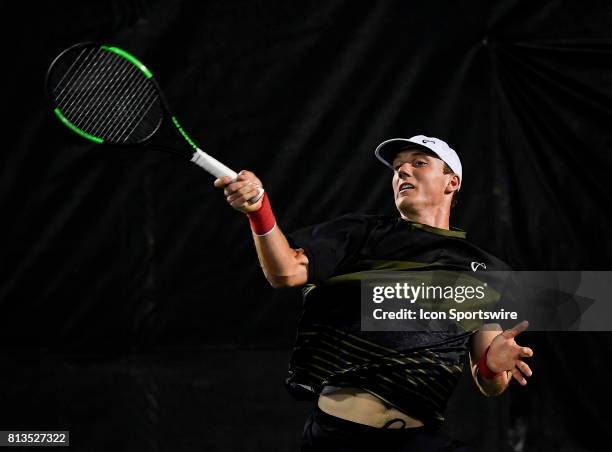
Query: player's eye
[(419, 163)]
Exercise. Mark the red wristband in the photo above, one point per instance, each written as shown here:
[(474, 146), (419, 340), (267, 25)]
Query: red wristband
[(484, 370), (262, 221)]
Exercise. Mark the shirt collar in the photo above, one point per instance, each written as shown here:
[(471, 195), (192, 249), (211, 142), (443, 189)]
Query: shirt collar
[(453, 232)]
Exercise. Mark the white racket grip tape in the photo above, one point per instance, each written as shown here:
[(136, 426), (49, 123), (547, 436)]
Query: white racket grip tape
[(212, 165), (218, 169)]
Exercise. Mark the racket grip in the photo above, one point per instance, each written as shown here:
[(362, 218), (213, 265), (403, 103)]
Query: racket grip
[(212, 165), (218, 169)]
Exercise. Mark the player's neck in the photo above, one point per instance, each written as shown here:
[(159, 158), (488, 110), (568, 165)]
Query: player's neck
[(438, 218)]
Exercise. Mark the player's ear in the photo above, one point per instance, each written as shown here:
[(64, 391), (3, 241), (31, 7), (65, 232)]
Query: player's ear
[(453, 184)]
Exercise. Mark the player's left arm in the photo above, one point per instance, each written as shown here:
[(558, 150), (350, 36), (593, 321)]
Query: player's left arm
[(504, 358)]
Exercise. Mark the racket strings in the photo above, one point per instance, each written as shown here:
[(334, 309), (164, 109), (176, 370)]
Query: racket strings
[(135, 108), (125, 133), (128, 90), (107, 96), (121, 105), (109, 102), (81, 59), (74, 85), (83, 86), (89, 100)]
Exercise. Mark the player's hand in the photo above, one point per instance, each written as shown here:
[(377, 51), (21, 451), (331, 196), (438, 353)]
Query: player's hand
[(506, 355), (240, 192)]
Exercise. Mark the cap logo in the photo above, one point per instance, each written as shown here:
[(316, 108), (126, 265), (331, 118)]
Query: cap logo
[(429, 141)]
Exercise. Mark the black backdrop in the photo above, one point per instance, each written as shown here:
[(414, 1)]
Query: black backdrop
[(120, 268)]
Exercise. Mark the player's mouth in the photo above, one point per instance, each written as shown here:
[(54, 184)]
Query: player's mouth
[(404, 188)]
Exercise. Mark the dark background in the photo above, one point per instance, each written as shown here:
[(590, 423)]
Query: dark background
[(133, 311)]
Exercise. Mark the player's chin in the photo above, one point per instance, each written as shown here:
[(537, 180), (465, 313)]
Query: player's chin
[(404, 203)]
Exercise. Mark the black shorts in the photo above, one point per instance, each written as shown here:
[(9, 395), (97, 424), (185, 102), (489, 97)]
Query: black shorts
[(324, 432)]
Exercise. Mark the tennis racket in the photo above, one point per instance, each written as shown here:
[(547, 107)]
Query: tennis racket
[(106, 95)]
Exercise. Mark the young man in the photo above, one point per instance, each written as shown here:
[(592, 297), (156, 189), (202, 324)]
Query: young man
[(380, 389)]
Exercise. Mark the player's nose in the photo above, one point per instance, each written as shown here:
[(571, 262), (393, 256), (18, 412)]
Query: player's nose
[(403, 172)]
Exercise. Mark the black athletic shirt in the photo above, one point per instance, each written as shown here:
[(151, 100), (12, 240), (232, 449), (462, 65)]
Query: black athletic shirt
[(416, 372)]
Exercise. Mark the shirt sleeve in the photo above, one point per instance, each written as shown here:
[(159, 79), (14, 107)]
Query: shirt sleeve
[(331, 246)]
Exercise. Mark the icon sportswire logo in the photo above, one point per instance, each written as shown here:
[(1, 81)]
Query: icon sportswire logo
[(477, 265)]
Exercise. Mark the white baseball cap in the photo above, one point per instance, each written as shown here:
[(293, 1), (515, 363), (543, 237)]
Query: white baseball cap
[(387, 150)]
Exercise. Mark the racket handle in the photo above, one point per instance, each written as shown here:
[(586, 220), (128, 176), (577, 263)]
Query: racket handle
[(212, 165), (218, 169)]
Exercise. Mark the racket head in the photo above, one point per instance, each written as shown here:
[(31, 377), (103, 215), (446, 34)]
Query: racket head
[(105, 94)]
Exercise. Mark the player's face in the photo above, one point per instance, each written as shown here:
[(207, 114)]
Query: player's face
[(419, 181)]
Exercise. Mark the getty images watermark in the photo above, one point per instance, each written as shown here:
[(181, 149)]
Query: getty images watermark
[(424, 296), (438, 300)]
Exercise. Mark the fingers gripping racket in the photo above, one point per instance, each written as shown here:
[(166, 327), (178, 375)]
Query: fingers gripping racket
[(106, 95)]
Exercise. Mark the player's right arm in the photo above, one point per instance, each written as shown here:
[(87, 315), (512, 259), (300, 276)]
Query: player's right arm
[(282, 265)]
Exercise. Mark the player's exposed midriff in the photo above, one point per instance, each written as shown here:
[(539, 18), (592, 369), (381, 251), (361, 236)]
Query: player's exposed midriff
[(357, 405)]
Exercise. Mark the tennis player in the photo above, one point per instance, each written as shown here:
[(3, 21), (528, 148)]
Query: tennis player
[(383, 390)]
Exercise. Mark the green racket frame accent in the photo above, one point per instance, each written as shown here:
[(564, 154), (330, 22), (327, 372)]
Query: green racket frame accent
[(180, 129), (131, 58), (75, 129)]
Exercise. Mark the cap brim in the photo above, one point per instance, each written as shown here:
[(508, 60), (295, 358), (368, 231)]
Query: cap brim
[(387, 150)]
